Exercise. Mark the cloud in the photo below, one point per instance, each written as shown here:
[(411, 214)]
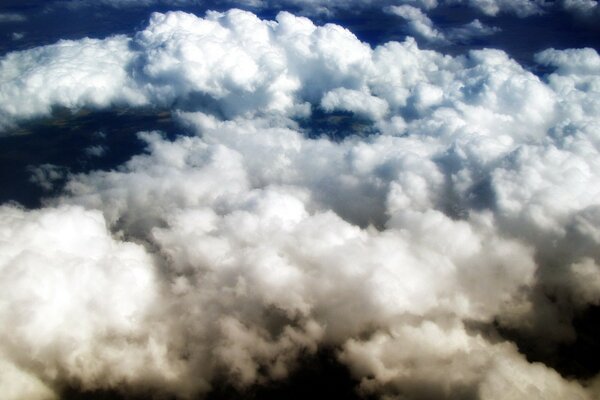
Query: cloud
[(442, 360), (473, 29), (421, 26), (355, 101), (12, 17), (247, 241), (418, 22), (17, 35), (584, 9), (46, 175), (71, 294), (520, 8), (270, 238), (74, 74), (287, 65)]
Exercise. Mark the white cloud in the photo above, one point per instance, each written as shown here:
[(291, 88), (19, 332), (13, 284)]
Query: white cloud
[(355, 101), (71, 293), (418, 22), (255, 244), (72, 74)]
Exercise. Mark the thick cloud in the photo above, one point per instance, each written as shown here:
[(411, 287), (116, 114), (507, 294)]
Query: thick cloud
[(71, 296), (229, 252), (254, 67), (442, 360), (72, 74)]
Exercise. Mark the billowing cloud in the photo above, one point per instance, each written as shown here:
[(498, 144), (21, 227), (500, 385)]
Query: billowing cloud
[(442, 360), (231, 251), (72, 74), (71, 295), (286, 65)]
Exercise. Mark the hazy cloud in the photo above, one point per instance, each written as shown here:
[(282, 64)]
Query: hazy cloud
[(12, 17)]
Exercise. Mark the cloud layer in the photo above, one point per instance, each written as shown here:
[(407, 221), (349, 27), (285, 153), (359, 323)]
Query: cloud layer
[(232, 250)]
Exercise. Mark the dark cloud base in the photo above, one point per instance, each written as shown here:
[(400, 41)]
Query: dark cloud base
[(577, 359), (318, 376)]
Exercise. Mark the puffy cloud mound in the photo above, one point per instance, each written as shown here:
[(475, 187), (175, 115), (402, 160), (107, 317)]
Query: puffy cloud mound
[(72, 295), (234, 64), (72, 74), (442, 360), (233, 250)]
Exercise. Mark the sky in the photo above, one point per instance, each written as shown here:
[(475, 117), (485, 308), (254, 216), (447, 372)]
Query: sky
[(257, 199)]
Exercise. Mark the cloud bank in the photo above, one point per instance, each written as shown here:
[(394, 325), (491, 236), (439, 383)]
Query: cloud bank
[(229, 252)]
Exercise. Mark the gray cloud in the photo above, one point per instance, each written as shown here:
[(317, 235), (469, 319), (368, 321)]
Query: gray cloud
[(12, 17)]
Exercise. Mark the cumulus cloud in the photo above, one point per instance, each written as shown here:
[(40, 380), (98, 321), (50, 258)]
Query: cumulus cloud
[(354, 101), (273, 238), (286, 65), (72, 293), (442, 360), (232, 250), (73, 74)]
